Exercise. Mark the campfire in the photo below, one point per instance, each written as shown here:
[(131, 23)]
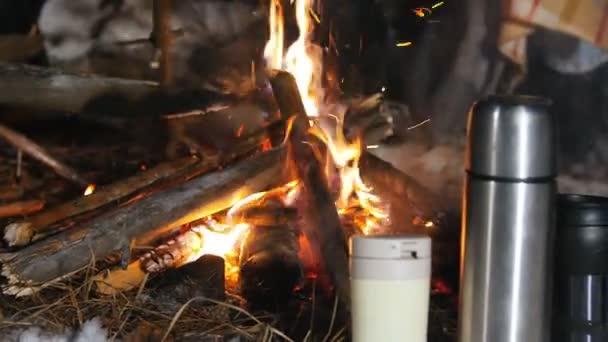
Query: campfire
[(288, 193)]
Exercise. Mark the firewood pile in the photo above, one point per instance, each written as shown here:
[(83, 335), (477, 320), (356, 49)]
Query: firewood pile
[(122, 250)]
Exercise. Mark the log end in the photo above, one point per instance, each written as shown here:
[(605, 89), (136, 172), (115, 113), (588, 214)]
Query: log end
[(13, 286), (18, 233)]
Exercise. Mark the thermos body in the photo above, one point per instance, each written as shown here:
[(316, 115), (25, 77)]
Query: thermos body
[(504, 295), (508, 222)]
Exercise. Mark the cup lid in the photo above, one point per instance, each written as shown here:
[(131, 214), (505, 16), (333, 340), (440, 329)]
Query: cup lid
[(403, 246)]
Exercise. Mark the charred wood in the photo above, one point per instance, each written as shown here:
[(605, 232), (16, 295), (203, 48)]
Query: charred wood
[(323, 228), (142, 221), (270, 266)]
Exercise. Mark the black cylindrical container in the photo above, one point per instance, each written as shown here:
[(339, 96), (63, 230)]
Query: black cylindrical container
[(580, 308)]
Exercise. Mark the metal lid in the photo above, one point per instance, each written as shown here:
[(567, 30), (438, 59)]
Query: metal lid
[(511, 137), (582, 210), (405, 246)]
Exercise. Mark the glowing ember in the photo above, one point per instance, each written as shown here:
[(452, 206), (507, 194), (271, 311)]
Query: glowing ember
[(89, 190)]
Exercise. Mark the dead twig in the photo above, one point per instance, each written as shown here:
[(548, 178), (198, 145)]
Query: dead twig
[(36, 151)]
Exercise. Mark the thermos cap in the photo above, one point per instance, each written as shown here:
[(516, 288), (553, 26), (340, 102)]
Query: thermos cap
[(511, 137), (405, 246), (582, 211), (390, 257)]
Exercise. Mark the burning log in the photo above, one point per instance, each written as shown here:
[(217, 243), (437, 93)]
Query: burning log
[(143, 221), (35, 227), (270, 267), (21, 208), (408, 198), (323, 229)]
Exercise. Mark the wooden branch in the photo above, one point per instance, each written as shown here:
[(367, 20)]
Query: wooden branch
[(163, 39), (21, 208), (143, 221), (36, 151), (323, 228), (23, 232), (47, 89)]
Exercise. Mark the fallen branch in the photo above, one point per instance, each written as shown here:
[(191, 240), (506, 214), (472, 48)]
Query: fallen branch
[(36, 151), (49, 89), (21, 208), (143, 222), (22, 233), (323, 229)]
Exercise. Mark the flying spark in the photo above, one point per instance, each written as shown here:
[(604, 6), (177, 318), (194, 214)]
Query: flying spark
[(419, 124), (372, 146), (437, 4), (402, 44)]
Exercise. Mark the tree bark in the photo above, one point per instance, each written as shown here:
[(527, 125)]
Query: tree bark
[(143, 221)]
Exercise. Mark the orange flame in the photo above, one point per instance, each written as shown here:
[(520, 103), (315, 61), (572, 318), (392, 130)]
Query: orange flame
[(302, 60), (301, 57), (273, 52)]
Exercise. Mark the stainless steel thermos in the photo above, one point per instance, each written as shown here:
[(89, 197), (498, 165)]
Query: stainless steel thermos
[(508, 221)]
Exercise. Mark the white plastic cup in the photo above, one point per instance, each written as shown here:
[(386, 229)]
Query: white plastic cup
[(390, 287)]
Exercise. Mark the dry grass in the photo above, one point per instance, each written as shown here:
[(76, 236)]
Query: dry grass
[(71, 303)]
